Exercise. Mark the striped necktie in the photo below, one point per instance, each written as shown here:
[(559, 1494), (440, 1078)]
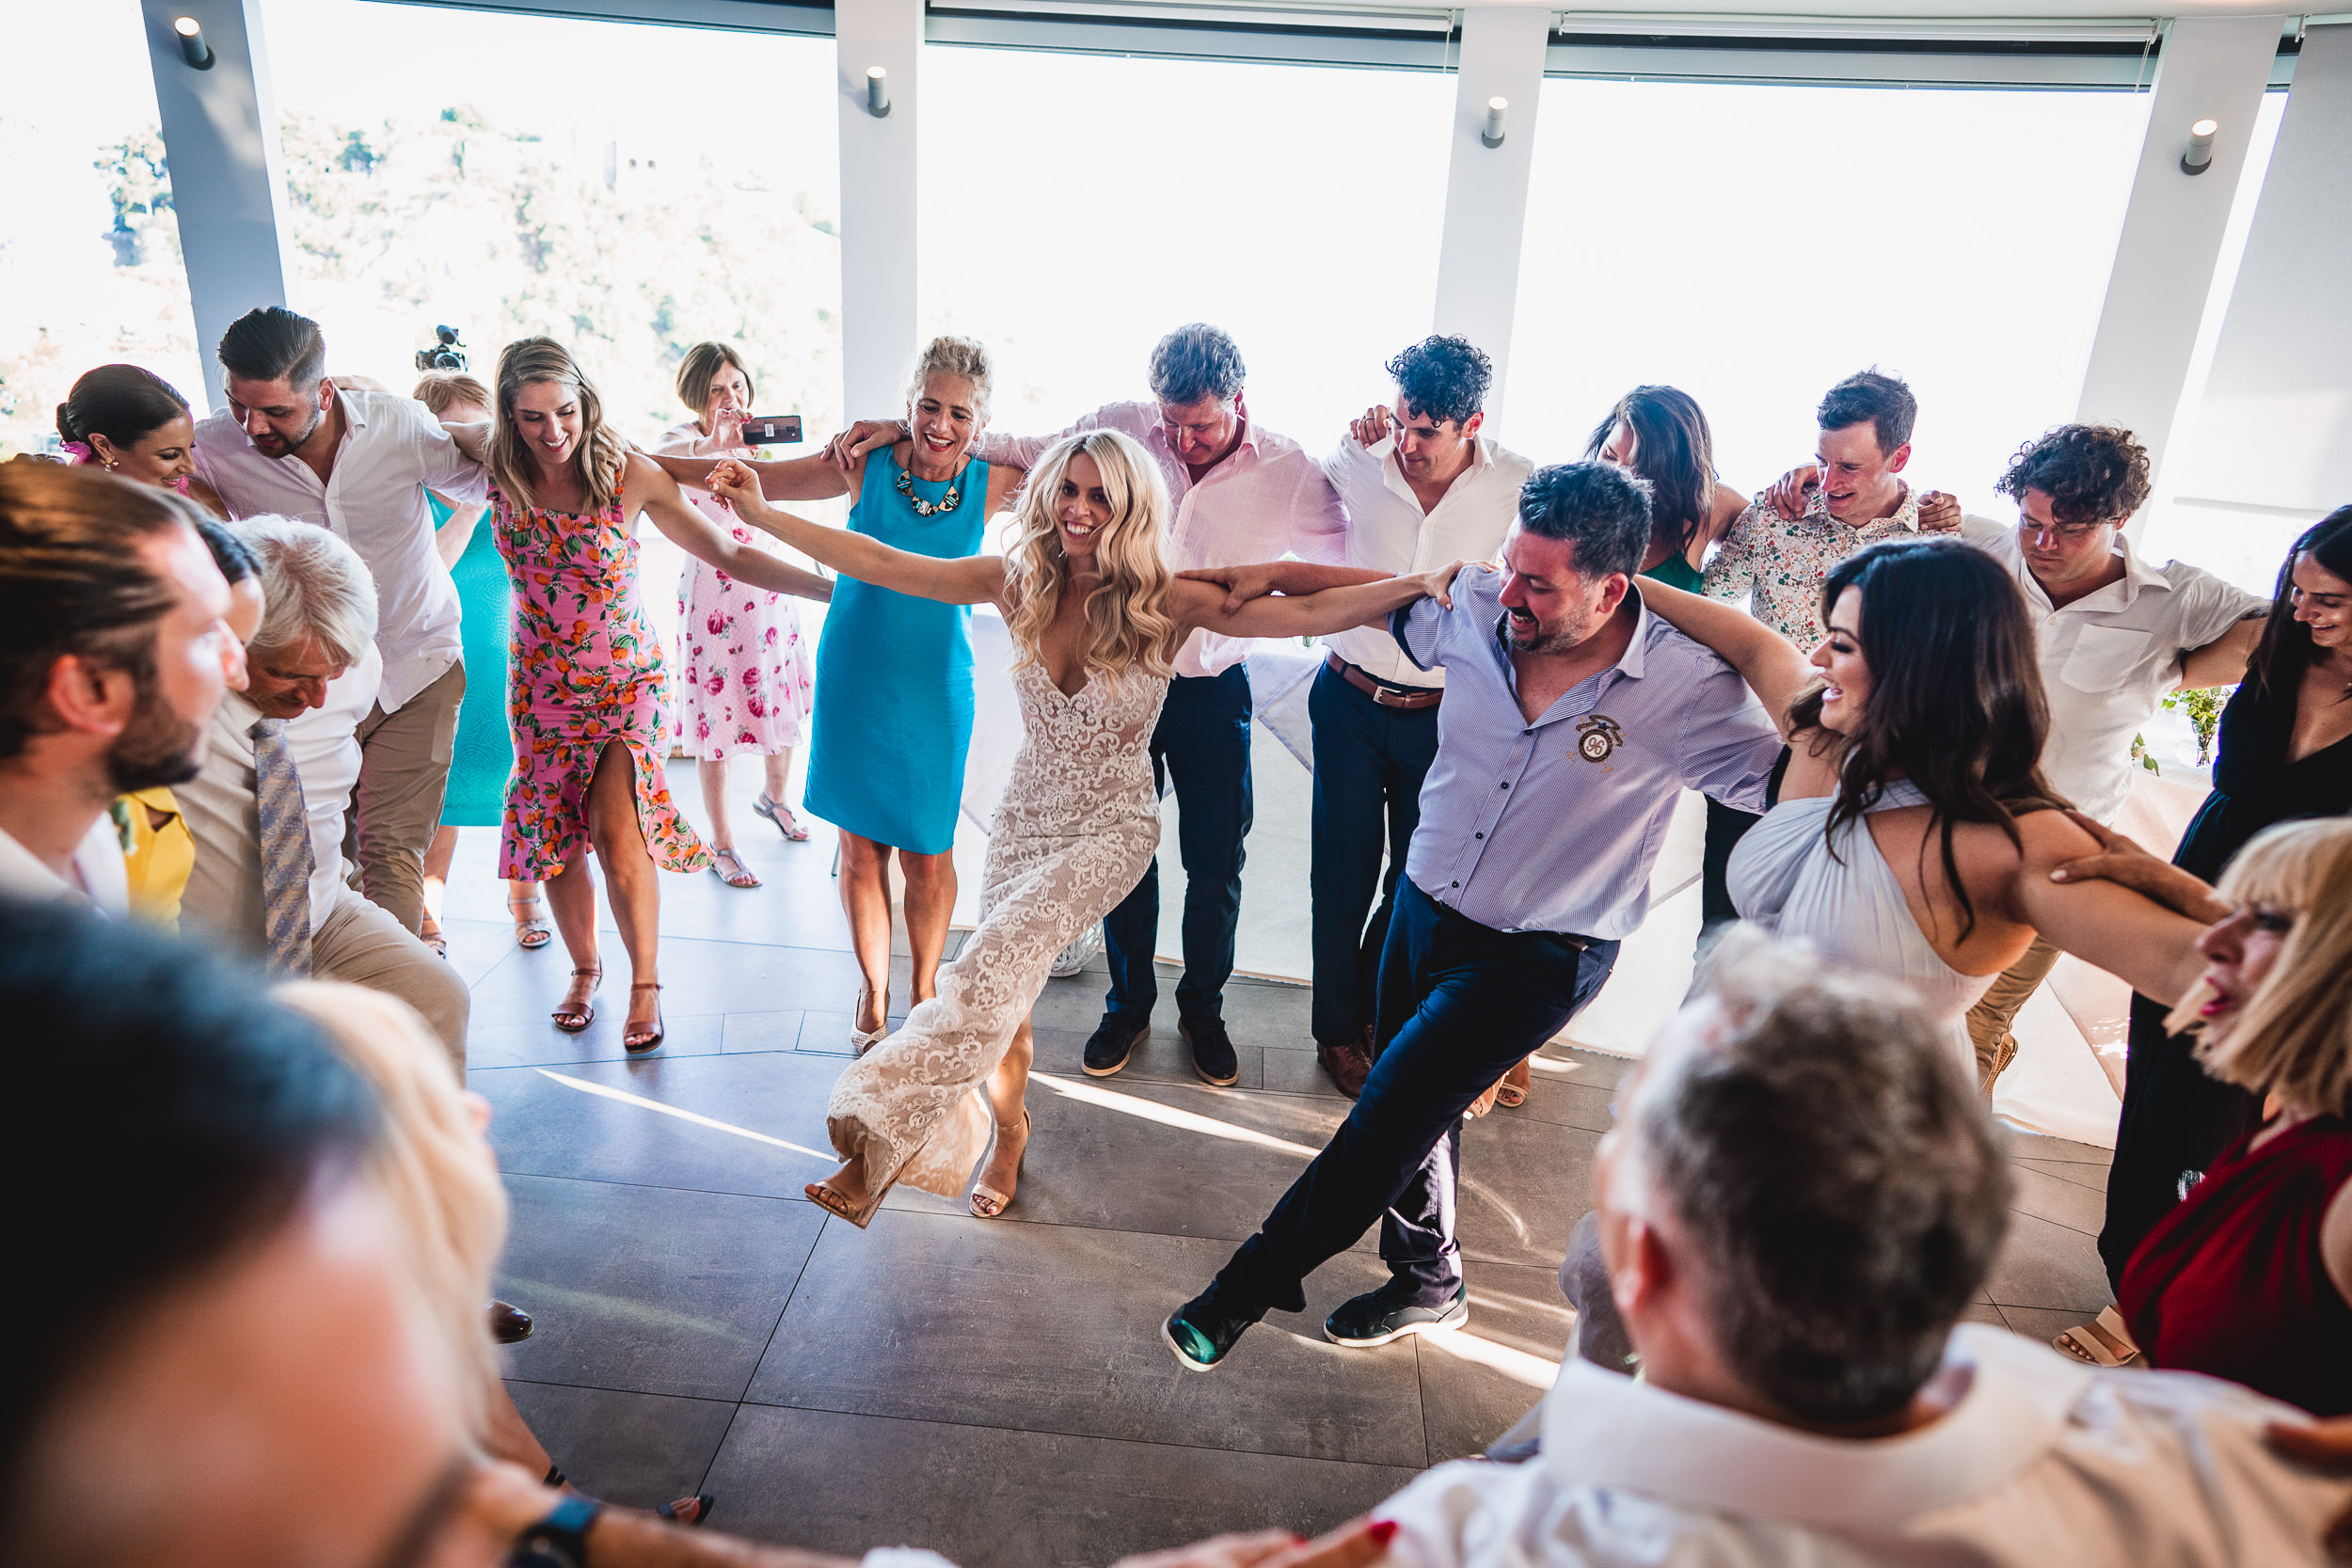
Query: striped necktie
[(286, 862)]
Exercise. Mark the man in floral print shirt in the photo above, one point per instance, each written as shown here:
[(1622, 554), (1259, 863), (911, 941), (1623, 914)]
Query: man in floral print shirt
[(1854, 496)]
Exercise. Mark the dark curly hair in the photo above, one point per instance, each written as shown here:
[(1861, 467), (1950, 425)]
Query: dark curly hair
[(1598, 508), (2092, 473), (1197, 361), (1874, 396), (1445, 378)]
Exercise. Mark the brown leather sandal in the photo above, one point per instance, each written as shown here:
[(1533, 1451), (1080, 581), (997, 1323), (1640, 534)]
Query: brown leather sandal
[(637, 1037), (574, 1022)]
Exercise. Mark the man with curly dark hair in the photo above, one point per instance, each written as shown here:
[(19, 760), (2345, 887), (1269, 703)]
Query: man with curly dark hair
[(1420, 484), (2116, 634)]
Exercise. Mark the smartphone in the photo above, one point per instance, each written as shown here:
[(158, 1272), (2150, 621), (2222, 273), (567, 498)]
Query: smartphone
[(770, 430)]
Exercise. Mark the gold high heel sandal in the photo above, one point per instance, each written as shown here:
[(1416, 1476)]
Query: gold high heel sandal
[(996, 1202)]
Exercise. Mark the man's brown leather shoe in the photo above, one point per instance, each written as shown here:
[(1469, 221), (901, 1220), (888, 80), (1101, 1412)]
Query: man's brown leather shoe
[(509, 1325), (1347, 1062)]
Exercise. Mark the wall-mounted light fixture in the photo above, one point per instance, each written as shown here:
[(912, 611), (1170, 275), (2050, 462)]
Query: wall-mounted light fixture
[(193, 48), (2199, 157), (1496, 109), (878, 92)]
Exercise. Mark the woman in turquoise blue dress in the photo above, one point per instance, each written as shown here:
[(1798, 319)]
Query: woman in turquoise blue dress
[(893, 715), (483, 753)]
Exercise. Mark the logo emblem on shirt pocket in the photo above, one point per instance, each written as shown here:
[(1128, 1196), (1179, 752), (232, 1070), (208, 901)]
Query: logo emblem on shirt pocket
[(1597, 736)]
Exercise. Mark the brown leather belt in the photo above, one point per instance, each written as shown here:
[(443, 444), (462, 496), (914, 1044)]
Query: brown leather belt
[(1406, 697)]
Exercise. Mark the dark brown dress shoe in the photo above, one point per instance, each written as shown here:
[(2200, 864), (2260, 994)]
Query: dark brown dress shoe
[(1346, 1063), (509, 1325)]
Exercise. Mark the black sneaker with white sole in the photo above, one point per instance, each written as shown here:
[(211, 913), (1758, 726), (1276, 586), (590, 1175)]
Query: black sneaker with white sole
[(1212, 1056), (1387, 1313), (1113, 1041)]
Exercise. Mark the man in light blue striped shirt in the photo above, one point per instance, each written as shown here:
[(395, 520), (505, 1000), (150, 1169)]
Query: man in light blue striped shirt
[(1573, 719)]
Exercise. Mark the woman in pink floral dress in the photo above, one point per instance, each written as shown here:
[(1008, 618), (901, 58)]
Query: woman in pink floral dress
[(588, 689), (744, 685)]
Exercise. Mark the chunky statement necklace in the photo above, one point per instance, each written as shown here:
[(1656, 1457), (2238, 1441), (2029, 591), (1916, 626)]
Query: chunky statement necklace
[(923, 508)]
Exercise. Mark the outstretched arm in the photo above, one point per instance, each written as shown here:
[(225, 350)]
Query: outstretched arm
[(1772, 665), (2104, 923), (656, 493), (813, 478), (1245, 583), (963, 579), (1313, 614)]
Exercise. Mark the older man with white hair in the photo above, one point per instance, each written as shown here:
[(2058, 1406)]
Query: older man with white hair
[(267, 809), (1802, 1195)]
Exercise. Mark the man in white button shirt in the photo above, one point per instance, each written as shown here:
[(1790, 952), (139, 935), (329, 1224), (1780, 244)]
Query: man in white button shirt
[(1801, 1196), (314, 666), (115, 649), (1421, 488), (2115, 633), (356, 463)]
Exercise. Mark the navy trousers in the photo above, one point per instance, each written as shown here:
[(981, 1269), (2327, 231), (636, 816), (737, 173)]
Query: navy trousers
[(1369, 762), (1203, 746), (1460, 1003)]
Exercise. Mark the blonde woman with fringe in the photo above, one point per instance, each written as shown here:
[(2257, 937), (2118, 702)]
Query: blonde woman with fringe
[(1096, 619), (2250, 1277), (587, 688)]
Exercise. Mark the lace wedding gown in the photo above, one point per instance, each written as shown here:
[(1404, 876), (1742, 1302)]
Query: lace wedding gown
[(1079, 822)]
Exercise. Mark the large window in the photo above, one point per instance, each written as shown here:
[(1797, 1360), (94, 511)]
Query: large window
[(89, 250), (1753, 245), (483, 170), (1076, 207)]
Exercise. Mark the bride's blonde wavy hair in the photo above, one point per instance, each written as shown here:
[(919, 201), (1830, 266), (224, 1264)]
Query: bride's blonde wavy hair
[(1127, 611)]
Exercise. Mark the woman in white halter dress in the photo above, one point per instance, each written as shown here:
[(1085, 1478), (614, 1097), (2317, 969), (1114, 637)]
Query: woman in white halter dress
[(1913, 836), (1096, 622)]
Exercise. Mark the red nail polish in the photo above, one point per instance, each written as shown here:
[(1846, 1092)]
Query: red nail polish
[(1383, 1530)]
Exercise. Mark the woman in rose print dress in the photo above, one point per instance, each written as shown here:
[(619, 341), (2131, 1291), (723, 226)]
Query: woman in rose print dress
[(588, 687), (745, 684)]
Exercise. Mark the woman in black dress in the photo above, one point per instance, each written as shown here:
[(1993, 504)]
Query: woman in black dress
[(2285, 751)]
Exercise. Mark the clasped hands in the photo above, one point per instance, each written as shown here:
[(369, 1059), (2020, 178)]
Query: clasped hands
[(1245, 583)]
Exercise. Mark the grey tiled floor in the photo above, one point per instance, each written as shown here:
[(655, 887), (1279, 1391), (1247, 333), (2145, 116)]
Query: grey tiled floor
[(998, 1391)]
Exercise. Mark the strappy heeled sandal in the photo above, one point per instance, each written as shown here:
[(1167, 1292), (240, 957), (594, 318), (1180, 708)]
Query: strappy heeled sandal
[(429, 932), (2105, 1342), (863, 1040), (831, 1202), (573, 1023), (636, 1038), (1512, 1092), (742, 876), (693, 1513), (530, 931), (781, 814), (987, 1202)]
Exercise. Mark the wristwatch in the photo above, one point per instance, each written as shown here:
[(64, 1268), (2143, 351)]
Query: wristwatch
[(561, 1539)]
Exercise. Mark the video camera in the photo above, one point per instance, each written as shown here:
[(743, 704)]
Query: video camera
[(447, 353)]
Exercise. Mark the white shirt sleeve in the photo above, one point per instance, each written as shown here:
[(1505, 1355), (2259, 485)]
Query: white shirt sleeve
[(442, 463), (2210, 606)]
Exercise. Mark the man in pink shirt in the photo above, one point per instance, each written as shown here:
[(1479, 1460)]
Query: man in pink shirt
[(1238, 494)]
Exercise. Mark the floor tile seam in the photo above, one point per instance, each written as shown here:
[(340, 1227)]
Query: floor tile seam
[(1082, 1436), (782, 1307), (2068, 1180), (2042, 1307), (603, 1388), (2071, 1229)]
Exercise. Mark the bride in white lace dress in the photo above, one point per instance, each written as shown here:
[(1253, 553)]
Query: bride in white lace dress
[(1096, 620)]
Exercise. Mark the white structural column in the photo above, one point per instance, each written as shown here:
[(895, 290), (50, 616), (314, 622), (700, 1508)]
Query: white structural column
[(2212, 68), (878, 202), (227, 176), (1485, 187), (2275, 430)]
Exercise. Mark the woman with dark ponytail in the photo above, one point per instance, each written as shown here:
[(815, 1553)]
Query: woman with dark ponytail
[(130, 422)]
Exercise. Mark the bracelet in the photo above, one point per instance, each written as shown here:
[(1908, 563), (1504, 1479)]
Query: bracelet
[(561, 1539)]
